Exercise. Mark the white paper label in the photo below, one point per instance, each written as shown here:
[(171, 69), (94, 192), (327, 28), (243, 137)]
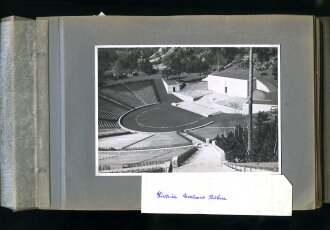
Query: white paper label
[(215, 193)]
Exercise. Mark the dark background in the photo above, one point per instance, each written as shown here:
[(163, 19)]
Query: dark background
[(33, 8), (41, 219)]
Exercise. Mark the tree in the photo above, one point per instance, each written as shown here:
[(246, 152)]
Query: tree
[(106, 59), (147, 67), (119, 68), (274, 68), (167, 72), (234, 145), (131, 60), (265, 54), (203, 67), (216, 56), (264, 142)]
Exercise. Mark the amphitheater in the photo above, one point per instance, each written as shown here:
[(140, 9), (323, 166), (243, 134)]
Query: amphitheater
[(141, 130)]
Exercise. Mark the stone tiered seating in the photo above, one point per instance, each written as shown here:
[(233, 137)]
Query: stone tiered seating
[(106, 124), (110, 110), (112, 132), (105, 115), (121, 94), (109, 128), (144, 90), (108, 115)]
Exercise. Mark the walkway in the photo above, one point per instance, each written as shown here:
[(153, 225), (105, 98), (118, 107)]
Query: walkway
[(206, 159), (164, 97)]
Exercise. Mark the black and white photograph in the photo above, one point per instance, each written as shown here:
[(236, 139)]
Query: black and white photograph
[(173, 109)]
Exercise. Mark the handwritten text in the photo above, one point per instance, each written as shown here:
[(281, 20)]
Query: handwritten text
[(162, 195), (166, 196)]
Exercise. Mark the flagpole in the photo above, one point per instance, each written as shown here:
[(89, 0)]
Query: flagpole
[(250, 125)]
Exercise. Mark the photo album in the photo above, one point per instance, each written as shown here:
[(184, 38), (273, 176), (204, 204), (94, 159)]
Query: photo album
[(165, 114)]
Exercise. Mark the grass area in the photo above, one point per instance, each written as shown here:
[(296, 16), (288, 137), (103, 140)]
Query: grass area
[(141, 77), (119, 142), (189, 77), (161, 140), (120, 159), (143, 141), (228, 120), (212, 132)]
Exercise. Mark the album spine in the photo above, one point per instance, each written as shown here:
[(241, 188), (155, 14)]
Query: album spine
[(7, 139), (325, 22), (43, 136), (18, 121)]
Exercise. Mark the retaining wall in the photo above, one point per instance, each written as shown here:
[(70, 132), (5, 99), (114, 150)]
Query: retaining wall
[(163, 168), (250, 168)]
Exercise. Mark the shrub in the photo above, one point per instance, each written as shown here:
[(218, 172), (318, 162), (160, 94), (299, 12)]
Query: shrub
[(264, 141)]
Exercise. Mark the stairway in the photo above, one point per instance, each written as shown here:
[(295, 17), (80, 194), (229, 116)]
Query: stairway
[(163, 96)]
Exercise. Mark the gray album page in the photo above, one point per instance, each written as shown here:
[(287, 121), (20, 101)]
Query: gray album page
[(72, 41)]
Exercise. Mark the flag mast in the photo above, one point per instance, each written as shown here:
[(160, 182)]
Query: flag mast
[(250, 125)]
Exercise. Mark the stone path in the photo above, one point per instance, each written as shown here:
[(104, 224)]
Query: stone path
[(206, 159)]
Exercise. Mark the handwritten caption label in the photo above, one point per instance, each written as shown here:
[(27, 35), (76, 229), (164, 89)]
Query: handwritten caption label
[(214, 193), (162, 195)]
